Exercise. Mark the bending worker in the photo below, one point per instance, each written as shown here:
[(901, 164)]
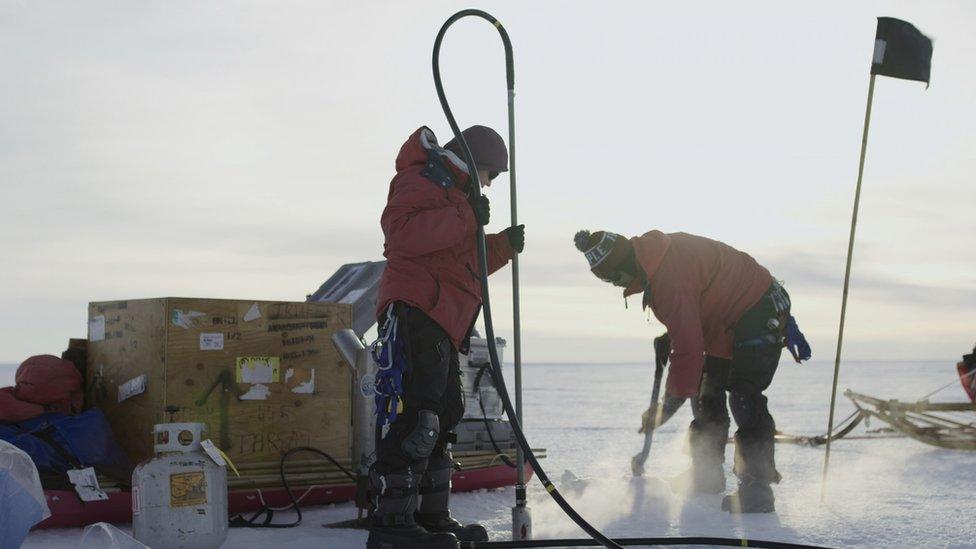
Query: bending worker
[(726, 318), (429, 299)]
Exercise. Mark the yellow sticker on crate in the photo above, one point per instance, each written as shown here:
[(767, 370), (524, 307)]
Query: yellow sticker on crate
[(258, 369), (186, 489)]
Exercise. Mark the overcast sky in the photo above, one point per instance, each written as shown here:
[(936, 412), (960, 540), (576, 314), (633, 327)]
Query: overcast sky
[(244, 150)]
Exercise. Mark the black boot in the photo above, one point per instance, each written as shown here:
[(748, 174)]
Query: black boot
[(445, 523), (707, 448), (750, 498), (756, 469), (394, 526), (434, 514)]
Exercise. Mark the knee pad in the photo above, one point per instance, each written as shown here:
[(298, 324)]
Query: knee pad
[(419, 443)]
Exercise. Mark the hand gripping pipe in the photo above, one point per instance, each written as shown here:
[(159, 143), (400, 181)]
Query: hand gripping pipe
[(496, 371)]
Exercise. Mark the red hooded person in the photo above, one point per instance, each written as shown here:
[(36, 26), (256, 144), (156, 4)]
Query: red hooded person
[(726, 319), (431, 292)]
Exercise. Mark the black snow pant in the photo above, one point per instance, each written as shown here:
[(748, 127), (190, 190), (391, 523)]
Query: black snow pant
[(433, 383), (738, 384)]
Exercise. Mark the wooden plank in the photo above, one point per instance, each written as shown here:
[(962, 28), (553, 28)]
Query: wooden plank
[(919, 406)]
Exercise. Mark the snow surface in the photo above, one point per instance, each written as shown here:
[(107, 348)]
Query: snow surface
[(882, 493)]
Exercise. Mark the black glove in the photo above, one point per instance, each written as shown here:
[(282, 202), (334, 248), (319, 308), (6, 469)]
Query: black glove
[(516, 237), (662, 350), (481, 208), (664, 412)]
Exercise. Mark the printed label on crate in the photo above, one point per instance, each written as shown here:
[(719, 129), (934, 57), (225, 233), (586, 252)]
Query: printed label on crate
[(258, 369), (133, 387), (186, 489), (185, 319), (253, 313), (301, 380), (86, 484), (256, 392), (211, 342), (136, 504), (96, 328)]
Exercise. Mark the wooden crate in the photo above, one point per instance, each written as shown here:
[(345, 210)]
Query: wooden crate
[(263, 376)]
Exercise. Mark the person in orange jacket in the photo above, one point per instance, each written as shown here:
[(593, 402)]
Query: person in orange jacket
[(431, 291), (726, 318)]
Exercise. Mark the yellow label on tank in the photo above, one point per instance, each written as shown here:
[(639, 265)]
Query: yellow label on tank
[(187, 489)]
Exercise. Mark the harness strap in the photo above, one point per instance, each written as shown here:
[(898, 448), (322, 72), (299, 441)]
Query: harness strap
[(389, 353)]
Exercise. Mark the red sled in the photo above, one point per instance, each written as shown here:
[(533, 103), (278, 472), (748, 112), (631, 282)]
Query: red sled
[(67, 511)]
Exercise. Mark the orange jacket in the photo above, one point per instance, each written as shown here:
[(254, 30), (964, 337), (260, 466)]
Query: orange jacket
[(699, 289), (431, 257)]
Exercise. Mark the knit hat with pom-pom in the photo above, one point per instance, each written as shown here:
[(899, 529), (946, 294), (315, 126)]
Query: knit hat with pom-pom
[(604, 251)]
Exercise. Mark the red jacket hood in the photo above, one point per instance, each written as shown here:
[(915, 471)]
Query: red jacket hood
[(414, 153), (429, 240), (649, 250)]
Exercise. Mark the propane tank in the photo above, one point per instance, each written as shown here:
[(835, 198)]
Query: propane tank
[(179, 497)]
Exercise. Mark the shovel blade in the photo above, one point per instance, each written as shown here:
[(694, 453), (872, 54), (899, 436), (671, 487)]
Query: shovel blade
[(637, 465)]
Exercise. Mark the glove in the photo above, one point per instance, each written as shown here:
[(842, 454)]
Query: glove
[(662, 349), (666, 409), (481, 208), (796, 342), (516, 237)]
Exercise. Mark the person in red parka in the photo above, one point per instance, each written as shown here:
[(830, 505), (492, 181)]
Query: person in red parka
[(431, 286), (725, 316)]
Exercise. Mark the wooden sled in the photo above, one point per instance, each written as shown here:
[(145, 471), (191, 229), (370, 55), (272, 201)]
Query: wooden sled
[(935, 423)]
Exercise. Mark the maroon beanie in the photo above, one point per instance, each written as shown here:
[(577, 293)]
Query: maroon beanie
[(604, 251), (487, 147)]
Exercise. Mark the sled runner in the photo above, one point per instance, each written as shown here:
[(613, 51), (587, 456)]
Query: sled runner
[(949, 425), (943, 424)]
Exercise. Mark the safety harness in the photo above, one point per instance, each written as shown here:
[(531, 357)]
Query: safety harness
[(782, 328), (389, 352)]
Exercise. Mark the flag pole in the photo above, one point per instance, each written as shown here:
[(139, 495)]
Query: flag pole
[(847, 281)]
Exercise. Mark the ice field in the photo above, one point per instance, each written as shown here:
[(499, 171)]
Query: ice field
[(882, 493)]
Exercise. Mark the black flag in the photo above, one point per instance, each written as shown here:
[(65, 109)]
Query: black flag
[(901, 51)]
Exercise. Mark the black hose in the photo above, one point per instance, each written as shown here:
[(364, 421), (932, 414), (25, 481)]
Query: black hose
[(630, 542), (474, 186), (268, 513)]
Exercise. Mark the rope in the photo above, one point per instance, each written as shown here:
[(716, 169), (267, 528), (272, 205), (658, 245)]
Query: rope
[(950, 384)]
